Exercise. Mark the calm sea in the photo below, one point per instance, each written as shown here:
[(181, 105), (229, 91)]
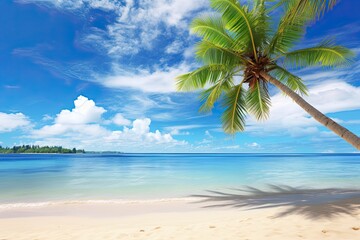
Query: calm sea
[(34, 178)]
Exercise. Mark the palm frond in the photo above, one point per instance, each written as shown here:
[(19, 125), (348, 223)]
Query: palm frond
[(212, 54), (262, 23), (258, 100), (290, 30), (325, 54), (208, 74), (233, 118), (240, 21), (212, 94), (212, 29), (314, 7), (292, 81)]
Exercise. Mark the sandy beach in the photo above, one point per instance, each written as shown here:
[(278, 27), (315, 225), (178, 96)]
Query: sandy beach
[(169, 220)]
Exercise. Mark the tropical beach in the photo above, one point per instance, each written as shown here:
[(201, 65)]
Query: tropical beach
[(179, 119), (173, 223), (212, 196)]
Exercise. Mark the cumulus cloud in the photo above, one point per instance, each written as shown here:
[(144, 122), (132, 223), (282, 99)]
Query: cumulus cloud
[(287, 116), (12, 121), (120, 120), (140, 132), (83, 126), (85, 111)]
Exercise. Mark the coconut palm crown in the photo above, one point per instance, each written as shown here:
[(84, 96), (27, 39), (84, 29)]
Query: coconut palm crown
[(242, 53)]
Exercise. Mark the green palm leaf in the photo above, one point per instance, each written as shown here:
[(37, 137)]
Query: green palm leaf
[(258, 101), (213, 54), (208, 74), (239, 21), (314, 7), (234, 115), (325, 54), (211, 95), (262, 23), (212, 29), (292, 81), (290, 29)]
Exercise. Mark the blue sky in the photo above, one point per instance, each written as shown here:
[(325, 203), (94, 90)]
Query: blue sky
[(99, 75)]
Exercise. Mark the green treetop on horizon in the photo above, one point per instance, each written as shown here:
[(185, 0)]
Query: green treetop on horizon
[(38, 149)]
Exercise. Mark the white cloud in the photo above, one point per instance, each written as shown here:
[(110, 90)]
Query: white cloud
[(76, 4), (335, 97), (352, 122), (253, 145), (83, 127), (47, 117), (158, 107), (140, 133), (181, 129), (12, 121), (85, 111), (175, 47), (189, 52), (140, 25), (120, 120), (178, 132), (232, 147), (287, 117), (160, 80), (77, 131), (173, 12), (208, 134), (186, 127)]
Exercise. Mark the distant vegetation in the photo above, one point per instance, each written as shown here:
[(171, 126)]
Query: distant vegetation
[(38, 149)]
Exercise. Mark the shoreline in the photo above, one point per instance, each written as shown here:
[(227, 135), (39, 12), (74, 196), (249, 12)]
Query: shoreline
[(250, 197), (40, 204)]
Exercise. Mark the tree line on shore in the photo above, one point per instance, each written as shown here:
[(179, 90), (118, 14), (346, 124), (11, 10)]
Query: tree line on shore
[(38, 149)]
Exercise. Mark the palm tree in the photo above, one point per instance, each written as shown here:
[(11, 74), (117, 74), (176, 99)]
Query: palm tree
[(316, 7), (242, 55)]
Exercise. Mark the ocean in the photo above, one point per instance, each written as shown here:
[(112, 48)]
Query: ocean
[(55, 177)]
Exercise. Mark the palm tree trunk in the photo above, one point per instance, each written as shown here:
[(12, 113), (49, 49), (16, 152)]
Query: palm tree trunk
[(316, 114)]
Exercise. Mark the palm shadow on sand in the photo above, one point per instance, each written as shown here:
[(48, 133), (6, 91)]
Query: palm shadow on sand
[(311, 203)]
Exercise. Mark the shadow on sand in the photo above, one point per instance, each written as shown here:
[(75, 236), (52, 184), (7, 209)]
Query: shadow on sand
[(312, 203)]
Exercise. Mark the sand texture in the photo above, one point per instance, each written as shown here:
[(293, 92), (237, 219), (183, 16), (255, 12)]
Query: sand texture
[(171, 220)]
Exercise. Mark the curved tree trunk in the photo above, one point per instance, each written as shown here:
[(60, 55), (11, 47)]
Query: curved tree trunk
[(316, 114)]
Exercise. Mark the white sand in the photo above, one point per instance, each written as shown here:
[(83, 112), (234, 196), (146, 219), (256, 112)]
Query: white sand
[(167, 220)]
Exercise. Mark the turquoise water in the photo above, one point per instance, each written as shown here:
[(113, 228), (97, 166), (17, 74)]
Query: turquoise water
[(34, 178)]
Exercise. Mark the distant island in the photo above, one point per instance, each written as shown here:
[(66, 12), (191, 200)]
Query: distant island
[(38, 149)]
